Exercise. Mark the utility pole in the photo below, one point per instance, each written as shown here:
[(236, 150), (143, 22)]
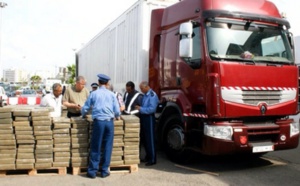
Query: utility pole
[(2, 5)]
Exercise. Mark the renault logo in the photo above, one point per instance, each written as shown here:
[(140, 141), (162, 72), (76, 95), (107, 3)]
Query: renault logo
[(263, 108)]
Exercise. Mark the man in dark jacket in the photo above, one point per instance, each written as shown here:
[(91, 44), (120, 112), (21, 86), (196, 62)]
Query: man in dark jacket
[(131, 99)]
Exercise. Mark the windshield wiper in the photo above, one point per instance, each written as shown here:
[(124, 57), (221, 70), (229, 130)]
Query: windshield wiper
[(247, 61), (270, 63)]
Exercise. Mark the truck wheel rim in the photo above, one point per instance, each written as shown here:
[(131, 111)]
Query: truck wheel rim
[(176, 138)]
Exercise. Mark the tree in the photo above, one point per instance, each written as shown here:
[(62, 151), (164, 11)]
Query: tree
[(35, 79), (71, 73)]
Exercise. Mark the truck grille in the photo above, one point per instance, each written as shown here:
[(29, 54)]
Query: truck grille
[(262, 132), (254, 97)]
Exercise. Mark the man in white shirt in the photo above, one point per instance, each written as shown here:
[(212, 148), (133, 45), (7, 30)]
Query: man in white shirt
[(54, 100)]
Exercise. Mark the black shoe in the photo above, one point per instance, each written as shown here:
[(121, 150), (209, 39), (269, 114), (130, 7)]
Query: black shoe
[(105, 175), (150, 163), (90, 176), (144, 160)]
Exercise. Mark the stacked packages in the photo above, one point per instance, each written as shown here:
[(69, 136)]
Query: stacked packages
[(24, 138), (7, 140), (131, 139), (61, 142), (31, 139), (43, 138), (80, 142)]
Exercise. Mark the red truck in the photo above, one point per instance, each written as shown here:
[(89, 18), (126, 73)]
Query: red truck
[(225, 73)]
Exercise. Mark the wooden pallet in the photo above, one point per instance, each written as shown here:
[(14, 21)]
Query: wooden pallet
[(35, 172), (124, 168), (113, 169)]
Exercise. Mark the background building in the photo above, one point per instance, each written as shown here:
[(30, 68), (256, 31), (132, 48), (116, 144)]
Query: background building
[(14, 75)]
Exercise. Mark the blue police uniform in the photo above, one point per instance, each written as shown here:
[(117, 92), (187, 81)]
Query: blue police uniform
[(105, 108), (147, 110)]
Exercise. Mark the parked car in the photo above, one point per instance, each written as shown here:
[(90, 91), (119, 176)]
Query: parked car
[(29, 93), (3, 97), (11, 93), (9, 90), (20, 90)]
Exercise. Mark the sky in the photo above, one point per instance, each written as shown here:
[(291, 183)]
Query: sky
[(45, 34)]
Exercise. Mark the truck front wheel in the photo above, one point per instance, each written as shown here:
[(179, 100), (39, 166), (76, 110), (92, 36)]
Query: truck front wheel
[(173, 140)]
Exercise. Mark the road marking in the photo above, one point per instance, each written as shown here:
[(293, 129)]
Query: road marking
[(274, 162), (197, 170)]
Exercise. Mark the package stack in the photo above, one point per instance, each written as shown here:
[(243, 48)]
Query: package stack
[(42, 127), (8, 147), (118, 144), (61, 141), (80, 142), (24, 138), (131, 139)]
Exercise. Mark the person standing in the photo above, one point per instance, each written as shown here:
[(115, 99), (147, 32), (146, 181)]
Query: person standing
[(105, 108), (147, 120), (63, 90), (75, 96), (54, 100), (131, 98), (94, 87), (118, 96), (44, 92)]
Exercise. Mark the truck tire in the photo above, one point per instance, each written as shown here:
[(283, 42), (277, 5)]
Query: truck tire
[(173, 141)]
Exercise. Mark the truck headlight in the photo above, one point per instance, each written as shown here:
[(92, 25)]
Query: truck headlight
[(220, 132), (294, 128)]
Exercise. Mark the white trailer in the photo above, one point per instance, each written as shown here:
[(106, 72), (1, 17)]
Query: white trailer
[(297, 49), (121, 49)]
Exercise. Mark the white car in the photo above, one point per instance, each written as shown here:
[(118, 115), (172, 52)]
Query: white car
[(3, 97)]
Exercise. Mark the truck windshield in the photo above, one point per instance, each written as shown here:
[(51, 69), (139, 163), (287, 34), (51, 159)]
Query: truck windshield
[(247, 41)]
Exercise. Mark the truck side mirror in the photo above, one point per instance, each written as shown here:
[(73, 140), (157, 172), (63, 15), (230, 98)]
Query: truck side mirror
[(186, 48), (186, 29), (186, 43)]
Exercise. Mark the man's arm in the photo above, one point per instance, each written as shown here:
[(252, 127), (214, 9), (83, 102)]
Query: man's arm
[(86, 107), (66, 103), (116, 108), (71, 105)]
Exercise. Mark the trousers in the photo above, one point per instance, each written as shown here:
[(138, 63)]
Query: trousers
[(148, 136), (70, 114), (102, 134)]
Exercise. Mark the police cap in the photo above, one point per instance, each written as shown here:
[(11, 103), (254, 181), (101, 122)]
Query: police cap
[(104, 78), (94, 85)]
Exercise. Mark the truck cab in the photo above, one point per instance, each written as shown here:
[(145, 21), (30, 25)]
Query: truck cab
[(226, 77)]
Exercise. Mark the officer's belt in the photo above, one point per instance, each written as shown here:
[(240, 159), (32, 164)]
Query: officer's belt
[(103, 119)]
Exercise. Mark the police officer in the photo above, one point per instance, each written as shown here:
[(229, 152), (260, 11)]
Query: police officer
[(147, 119), (105, 108), (94, 87)]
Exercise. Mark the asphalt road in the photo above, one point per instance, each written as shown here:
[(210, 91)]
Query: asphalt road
[(276, 168)]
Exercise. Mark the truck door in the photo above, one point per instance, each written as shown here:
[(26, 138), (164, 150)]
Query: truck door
[(190, 74), (169, 47)]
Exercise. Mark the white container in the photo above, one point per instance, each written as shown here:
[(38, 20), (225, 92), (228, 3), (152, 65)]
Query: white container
[(121, 49)]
